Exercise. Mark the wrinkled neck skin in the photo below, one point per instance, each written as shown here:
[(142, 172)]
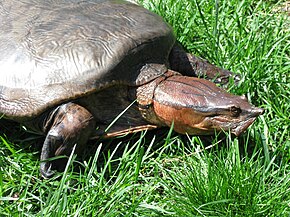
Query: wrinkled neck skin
[(145, 99), (194, 106)]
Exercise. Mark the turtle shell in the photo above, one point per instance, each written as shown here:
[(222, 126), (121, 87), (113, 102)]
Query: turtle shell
[(52, 51)]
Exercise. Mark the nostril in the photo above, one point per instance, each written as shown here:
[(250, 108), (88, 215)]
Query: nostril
[(243, 97), (262, 111), (258, 111)]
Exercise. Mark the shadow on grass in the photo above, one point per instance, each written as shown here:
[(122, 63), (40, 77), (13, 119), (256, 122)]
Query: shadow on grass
[(29, 142)]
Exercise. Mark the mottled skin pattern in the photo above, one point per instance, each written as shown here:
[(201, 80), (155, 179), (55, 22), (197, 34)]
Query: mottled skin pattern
[(68, 68)]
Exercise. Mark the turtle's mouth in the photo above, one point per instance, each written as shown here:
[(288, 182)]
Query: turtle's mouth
[(237, 125), (235, 128), (242, 127)]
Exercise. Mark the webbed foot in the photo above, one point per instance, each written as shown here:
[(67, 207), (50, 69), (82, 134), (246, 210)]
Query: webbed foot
[(191, 65), (68, 125)]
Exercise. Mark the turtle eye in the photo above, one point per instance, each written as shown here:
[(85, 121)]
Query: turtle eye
[(235, 111)]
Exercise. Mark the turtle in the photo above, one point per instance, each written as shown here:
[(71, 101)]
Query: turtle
[(73, 70)]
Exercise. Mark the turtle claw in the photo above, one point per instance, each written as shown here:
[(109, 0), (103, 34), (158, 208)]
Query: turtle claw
[(224, 81), (45, 170), (48, 150), (236, 78)]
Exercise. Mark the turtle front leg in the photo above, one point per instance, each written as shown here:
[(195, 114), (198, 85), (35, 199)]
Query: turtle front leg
[(68, 125), (190, 65)]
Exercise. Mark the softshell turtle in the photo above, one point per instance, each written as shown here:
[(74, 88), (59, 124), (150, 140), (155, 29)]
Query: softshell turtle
[(68, 68)]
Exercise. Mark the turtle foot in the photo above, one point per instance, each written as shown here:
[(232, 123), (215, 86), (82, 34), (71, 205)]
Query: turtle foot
[(191, 65), (69, 125)]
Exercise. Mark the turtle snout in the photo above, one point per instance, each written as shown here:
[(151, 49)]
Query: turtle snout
[(255, 112), (260, 111), (246, 120)]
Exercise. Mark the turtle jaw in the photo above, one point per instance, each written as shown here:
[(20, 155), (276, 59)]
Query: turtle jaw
[(195, 122), (242, 127), (247, 120), (234, 125)]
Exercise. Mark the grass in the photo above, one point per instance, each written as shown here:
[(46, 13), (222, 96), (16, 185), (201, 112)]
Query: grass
[(161, 173)]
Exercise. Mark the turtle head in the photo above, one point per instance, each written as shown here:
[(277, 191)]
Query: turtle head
[(198, 107)]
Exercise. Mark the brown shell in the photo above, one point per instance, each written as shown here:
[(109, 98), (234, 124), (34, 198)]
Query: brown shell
[(53, 51)]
